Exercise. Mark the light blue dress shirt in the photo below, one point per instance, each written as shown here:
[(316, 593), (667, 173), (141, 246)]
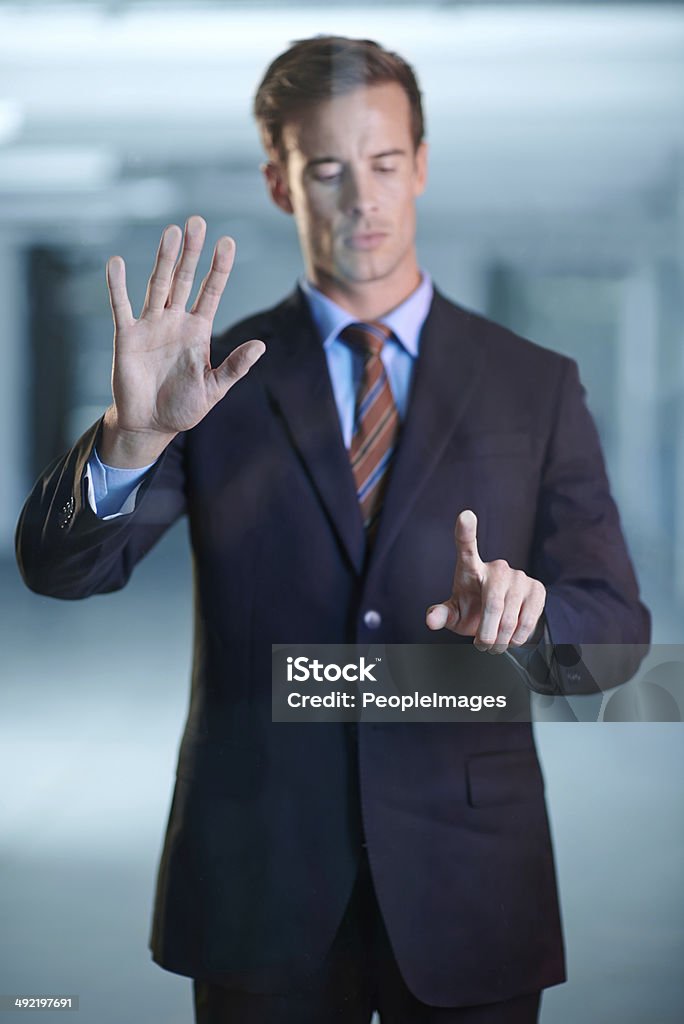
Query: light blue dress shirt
[(112, 491), (398, 354)]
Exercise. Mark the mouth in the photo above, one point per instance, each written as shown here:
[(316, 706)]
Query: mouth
[(363, 241)]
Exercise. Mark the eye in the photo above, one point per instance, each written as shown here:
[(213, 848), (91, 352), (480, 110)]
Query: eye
[(326, 172), (385, 168)]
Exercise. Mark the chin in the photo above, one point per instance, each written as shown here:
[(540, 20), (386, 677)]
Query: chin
[(365, 271)]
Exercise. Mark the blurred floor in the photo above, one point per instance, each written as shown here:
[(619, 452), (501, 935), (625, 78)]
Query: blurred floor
[(91, 709)]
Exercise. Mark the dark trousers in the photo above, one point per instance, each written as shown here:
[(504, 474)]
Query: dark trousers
[(358, 976)]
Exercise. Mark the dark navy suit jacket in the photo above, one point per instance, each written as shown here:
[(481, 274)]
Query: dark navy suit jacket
[(268, 819)]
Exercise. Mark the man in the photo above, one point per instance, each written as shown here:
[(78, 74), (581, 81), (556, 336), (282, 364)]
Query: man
[(318, 872)]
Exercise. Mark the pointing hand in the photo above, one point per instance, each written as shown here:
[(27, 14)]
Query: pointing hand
[(490, 601)]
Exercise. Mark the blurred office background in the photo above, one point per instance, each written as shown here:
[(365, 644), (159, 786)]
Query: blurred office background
[(555, 205)]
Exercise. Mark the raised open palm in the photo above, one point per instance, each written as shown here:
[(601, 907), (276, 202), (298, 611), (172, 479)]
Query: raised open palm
[(162, 378)]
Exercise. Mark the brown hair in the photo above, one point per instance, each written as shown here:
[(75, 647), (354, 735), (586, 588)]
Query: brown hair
[(317, 69)]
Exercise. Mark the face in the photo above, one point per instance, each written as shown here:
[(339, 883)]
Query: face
[(351, 180)]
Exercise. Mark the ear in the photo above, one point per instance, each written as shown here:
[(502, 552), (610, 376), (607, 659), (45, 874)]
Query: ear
[(421, 164), (276, 182)]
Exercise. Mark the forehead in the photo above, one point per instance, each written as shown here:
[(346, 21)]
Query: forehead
[(360, 121)]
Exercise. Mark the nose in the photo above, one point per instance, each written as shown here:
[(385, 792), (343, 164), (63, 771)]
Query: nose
[(358, 195)]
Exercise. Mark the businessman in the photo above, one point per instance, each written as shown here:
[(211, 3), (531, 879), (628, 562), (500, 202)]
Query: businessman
[(364, 462)]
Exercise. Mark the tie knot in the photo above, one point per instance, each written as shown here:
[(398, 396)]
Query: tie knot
[(367, 338)]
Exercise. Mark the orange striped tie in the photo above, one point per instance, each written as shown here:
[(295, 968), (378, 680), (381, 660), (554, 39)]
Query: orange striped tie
[(376, 422)]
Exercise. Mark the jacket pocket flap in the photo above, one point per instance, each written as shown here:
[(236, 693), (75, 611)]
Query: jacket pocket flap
[(502, 778)]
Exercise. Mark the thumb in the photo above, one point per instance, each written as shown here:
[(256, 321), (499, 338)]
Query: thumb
[(465, 533), (237, 364), (442, 616)]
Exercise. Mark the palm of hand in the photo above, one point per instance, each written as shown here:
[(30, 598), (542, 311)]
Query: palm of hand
[(162, 375), (162, 378)]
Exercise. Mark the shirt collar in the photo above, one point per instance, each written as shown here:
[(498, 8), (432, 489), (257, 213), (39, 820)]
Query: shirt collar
[(405, 320)]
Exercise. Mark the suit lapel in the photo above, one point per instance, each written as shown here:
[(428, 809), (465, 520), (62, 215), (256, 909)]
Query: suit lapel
[(447, 373), (449, 368), (297, 378)]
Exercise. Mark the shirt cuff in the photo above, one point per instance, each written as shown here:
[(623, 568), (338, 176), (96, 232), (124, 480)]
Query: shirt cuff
[(112, 491)]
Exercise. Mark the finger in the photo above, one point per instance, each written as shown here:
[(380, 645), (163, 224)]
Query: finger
[(510, 616), (160, 279), (237, 364), (465, 533), (213, 284), (118, 295), (494, 590), (442, 616), (530, 613), (184, 274)]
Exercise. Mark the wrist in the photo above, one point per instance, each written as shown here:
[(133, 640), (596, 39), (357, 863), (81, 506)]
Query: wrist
[(129, 449)]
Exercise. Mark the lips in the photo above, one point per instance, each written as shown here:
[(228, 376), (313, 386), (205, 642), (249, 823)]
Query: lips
[(363, 241)]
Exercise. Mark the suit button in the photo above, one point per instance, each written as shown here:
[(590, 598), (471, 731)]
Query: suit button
[(372, 619)]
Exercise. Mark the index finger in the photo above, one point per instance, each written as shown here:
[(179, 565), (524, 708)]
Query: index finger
[(213, 284), (465, 533)]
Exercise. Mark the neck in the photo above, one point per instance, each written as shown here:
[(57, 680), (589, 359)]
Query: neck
[(367, 300)]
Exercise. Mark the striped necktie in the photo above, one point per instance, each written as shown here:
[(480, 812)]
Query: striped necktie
[(376, 422)]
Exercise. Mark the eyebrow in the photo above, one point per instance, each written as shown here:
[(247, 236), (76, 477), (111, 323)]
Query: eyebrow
[(337, 160)]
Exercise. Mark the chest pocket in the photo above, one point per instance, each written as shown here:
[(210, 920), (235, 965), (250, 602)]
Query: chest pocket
[(497, 445)]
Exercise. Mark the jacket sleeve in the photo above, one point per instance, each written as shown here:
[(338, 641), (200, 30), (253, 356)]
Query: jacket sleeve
[(599, 630), (64, 550)]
